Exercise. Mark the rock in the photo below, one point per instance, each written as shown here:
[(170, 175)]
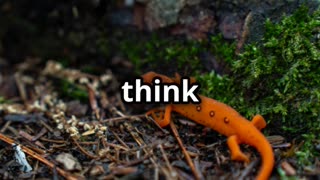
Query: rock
[(230, 26), (69, 162), (195, 22), (161, 13)]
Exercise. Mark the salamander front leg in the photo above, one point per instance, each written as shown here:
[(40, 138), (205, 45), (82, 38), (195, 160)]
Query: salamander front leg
[(259, 122), (157, 113), (236, 153), (160, 119)]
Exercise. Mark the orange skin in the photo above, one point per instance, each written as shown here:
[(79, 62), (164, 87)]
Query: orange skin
[(223, 119)]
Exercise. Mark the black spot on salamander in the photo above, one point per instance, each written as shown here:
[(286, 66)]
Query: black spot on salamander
[(198, 108), (212, 113)]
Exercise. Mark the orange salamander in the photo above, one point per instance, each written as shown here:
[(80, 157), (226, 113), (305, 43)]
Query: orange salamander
[(223, 119)]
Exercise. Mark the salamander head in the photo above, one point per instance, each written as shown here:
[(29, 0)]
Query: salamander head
[(149, 76)]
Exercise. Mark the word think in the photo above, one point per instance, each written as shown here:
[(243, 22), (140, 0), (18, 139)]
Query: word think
[(158, 92)]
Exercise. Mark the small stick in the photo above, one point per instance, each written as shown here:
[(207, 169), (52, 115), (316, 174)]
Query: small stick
[(115, 145), (30, 138), (89, 143), (35, 170), (122, 118), (137, 161), (165, 157), (6, 125), (119, 139), (53, 140), (21, 87), (122, 106), (134, 134), (139, 141), (40, 134), (14, 131), (45, 125), (244, 34), (184, 151), (248, 169), (83, 150), (93, 101)]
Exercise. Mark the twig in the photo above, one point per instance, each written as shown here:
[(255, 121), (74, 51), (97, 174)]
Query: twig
[(137, 161), (107, 105), (83, 150), (248, 169), (35, 155), (6, 125), (40, 134), (197, 166), (148, 146), (140, 142), (122, 106), (244, 34), (45, 125), (104, 100), (134, 134), (30, 138), (184, 151), (120, 140), (115, 145), (107, 155), (154, 122), (165, 157), (109, 120), (21, 87), (14, 131), (93, 101), (35, 170), (88, 143), (53, 140)]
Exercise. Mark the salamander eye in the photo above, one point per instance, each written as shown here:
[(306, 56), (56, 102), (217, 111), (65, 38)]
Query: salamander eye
[(211, 113), (198, 108), (226, 120)]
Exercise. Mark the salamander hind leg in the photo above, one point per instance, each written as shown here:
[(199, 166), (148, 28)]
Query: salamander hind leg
[(161, 119), (236, 153), (259, 122)]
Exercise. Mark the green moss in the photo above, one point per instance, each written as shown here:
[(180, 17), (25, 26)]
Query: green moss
[(2, 100), (307, 151), (283, 176), (281, 78), (174, 55), (90, 69), (216, 86), (160, 53), (222, 50), (72, 91)]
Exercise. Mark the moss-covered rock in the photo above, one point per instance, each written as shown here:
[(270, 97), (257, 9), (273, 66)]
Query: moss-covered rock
[(281, 77)]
